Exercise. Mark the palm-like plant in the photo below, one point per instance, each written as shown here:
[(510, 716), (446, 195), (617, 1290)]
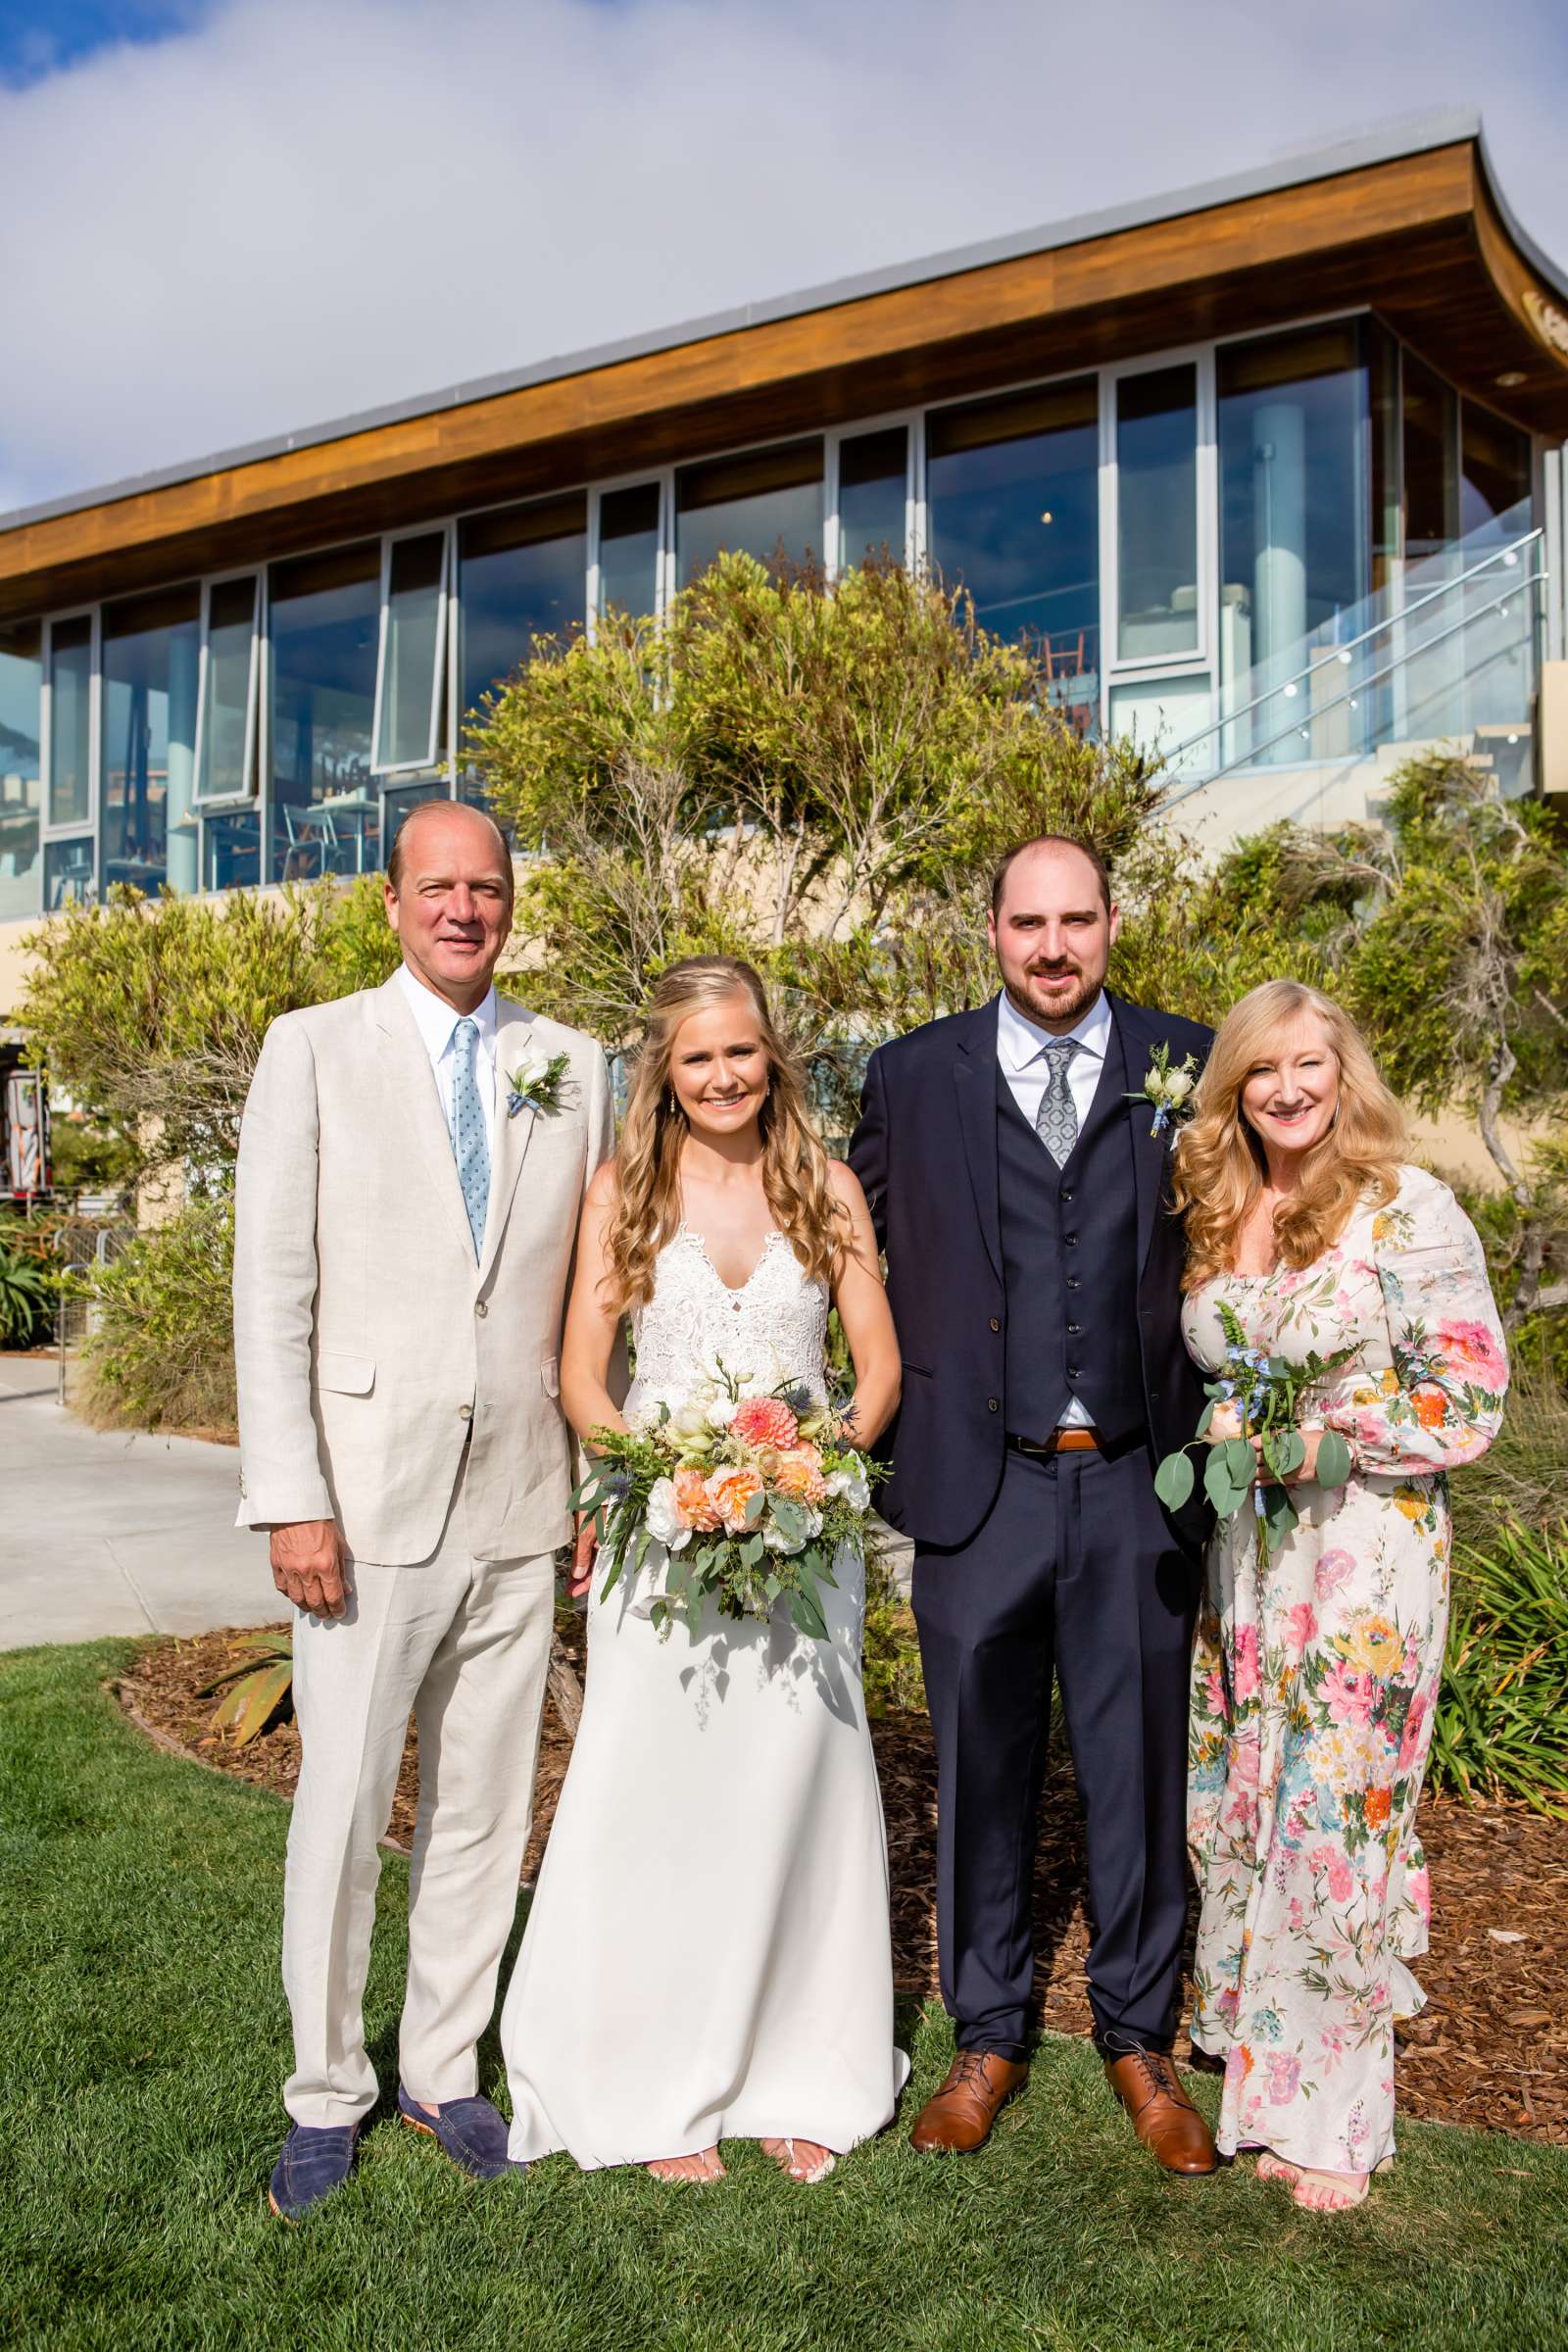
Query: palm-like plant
[(257, 1687), (26, 1301)]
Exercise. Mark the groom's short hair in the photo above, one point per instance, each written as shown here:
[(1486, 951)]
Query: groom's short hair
[(1050, 840)]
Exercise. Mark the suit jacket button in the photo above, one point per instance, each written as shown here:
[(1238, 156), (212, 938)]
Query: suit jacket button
[(479, 1307), (996, 1322), (992, 1404), (1067, 1196), (464, 1412)]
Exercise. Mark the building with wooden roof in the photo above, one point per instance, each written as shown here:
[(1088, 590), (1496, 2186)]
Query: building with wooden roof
[(1269, 471)]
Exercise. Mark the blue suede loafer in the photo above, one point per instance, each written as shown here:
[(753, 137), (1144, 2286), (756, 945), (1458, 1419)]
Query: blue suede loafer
[(470, 2132), (313, 2164)]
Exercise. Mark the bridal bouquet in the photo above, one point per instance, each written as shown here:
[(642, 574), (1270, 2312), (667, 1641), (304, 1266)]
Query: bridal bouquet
[(1264, 1396), (740, 1493)]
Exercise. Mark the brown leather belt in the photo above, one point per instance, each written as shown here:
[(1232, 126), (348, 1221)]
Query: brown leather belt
[(1060, 1441)]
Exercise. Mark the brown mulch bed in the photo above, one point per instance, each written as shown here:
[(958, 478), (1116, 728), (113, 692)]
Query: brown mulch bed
[(1490, 2049)]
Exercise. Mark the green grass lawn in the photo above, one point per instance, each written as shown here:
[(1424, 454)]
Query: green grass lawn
[(143, 2034)]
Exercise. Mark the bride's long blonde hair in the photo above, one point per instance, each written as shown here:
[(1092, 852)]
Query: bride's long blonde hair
[(1218, 1172), (795, 1166)]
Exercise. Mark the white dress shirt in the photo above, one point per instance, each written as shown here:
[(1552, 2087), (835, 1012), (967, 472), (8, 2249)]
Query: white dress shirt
[(437, 1022), (1020, 1050)]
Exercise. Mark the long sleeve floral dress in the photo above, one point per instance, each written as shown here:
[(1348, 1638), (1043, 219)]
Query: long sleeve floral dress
[(1314, 1681)]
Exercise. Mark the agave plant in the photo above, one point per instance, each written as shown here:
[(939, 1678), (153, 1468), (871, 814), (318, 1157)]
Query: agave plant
[(1500, 1728), (257, 1687), (26, 1300)]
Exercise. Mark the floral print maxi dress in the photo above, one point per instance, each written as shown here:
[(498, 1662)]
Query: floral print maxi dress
[(1314, 1681)]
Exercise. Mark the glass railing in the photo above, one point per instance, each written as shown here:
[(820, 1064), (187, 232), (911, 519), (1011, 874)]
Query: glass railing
[(1450, 649)]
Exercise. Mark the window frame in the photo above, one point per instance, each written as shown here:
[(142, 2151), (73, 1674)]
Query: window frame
[(912, 420), (1116, 667), (446, 528), (661, 479), (76, 827), (220, 802)]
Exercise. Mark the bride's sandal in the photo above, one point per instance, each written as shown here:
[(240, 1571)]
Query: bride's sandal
[(1330, 2192), (1274, 2168), (790, 2157), (693, 2170)]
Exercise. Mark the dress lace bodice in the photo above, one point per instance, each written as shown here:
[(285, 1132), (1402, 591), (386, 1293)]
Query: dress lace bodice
[(773, 1329)]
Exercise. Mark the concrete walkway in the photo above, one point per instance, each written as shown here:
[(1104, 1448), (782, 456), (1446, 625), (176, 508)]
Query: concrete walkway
[(101, 1533)]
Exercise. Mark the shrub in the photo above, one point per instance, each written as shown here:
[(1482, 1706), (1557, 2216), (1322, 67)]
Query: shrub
[(26, 1300), (161, 1353), (1500, 1730)]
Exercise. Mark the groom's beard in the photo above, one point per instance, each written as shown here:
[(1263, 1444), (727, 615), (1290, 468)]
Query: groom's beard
[(1063, 1007)]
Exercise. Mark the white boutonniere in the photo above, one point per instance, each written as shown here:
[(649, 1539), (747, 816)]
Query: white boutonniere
[(1167, 1091), (538, 1083)]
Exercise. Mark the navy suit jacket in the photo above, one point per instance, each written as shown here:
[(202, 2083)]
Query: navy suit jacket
[(926, 1151)]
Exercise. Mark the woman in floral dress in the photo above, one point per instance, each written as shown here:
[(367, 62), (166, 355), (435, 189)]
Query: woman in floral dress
[(1315, 1678)]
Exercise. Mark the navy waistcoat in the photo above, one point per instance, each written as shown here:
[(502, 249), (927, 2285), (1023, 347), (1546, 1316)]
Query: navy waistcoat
[(1069, 1246)]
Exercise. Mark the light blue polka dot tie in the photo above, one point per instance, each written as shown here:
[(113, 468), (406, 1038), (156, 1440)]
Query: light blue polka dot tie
[(471, 1138)]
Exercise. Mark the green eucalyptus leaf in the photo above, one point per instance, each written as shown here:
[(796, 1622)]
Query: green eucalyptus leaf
[(1333, 1459), (1174, 1480)]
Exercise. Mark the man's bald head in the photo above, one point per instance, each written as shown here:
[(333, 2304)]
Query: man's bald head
[(449, 899), (426, 813)]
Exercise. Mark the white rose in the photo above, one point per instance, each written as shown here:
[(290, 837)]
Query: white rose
[(1178, 1085), (691, 1421), (664, 1520), (852, 1485)]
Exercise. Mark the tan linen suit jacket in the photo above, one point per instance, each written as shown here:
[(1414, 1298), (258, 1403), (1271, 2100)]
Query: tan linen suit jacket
[(368, 1345)]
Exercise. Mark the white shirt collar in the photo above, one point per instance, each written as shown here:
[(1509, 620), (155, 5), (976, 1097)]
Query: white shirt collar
[(1020, 1040), (437, 1019)]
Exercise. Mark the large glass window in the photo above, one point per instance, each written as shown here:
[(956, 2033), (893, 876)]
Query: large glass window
[(1294, 537), (874, 488), (71, 721), (150, 651), (227, 754), (67, 872), (628, 550), (325, 614), (1013, 489), (1429, 417), (522, 574), (1495, 475), (1156, 514), (231, 850), (768, 504), (21, 729), (413, 667)]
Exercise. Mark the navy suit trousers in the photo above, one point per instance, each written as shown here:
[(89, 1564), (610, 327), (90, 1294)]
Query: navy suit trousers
[(1074, 1572)]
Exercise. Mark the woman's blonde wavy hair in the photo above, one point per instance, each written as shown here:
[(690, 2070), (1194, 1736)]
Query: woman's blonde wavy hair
[(795, 1166), (1219, 1170)]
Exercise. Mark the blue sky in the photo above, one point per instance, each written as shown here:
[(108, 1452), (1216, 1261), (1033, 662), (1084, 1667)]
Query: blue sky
[(227, 218)]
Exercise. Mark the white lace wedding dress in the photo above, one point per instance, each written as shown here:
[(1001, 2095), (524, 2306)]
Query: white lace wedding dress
[(708, 1956)]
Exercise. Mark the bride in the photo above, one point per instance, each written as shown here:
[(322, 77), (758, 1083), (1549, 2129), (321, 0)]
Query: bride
[(708, 1955)]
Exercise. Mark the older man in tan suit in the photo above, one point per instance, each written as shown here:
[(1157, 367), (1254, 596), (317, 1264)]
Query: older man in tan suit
[(411, 1165)]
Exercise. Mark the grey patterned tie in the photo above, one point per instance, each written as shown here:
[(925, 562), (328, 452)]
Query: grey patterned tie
[(1057, 1119), (470, 1141)]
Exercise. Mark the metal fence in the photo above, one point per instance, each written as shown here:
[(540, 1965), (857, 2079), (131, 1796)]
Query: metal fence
[(83, 1246)]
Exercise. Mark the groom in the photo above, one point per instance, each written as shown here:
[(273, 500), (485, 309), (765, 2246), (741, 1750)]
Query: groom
[(1034, 1270), (404, 1217)]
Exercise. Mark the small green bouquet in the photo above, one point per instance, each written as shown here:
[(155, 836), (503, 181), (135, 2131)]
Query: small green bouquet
[(1268, 1394)]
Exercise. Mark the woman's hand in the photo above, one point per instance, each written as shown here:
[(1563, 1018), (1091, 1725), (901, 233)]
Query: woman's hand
[(1311, 1438)]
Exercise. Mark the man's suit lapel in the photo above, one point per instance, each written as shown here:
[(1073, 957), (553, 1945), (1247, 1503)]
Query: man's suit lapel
[(414, 1099), (513, 1135), (974, 1075), (1149, 1149)]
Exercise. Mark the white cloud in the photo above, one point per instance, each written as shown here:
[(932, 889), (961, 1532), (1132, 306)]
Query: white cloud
[(303, 207)]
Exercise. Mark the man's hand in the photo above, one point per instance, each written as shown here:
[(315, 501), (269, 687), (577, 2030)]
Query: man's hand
[(308, 1566), (580, 1575)]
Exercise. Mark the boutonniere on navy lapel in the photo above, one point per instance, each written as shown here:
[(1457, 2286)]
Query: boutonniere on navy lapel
[(1167, 1091), (537, 1084)]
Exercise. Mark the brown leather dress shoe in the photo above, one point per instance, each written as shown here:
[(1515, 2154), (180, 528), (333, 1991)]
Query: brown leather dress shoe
[(958, 2120), (1162, 2115)]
